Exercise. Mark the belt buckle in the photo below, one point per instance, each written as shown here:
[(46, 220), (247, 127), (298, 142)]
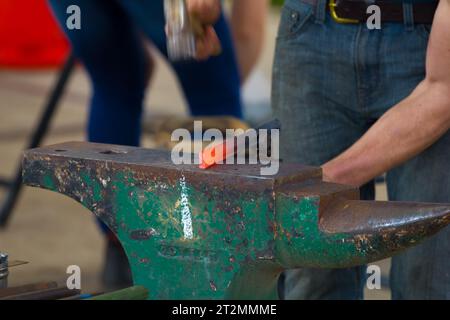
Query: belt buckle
[(332, 4)]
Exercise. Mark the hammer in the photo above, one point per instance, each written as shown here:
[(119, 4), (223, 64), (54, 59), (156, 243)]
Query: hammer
[(182, 29)]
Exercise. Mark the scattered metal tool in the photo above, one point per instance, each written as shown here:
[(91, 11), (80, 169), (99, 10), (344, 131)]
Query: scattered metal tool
[(4, 269), (227, 232)]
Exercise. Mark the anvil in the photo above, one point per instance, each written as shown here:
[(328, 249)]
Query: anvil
[(227, 232)]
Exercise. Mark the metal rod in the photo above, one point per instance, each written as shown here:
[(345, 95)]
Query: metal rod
[(46, 294), (132, 293), (39, 133), (7, 292)]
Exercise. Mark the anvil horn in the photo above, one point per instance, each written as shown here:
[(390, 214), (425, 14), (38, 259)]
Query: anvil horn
[(229, 229), (341, 231), (381, 229), (387, 218)]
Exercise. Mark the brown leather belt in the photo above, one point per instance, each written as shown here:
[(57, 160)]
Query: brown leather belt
[(390, 11), (355, 11)]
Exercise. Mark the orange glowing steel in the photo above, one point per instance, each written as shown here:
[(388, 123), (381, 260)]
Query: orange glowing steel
[(217, 154)]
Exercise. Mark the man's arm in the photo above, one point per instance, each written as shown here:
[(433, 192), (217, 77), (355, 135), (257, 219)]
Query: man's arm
[(411, 126), (248, 24)]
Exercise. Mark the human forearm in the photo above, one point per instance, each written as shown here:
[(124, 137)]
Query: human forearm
[(248, 21), (403, 132), (411, 126)]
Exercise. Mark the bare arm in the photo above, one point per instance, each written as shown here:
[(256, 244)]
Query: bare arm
[(411, 126), (248, 22)]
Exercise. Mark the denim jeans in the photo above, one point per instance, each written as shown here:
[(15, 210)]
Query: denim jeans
[(331, 83)]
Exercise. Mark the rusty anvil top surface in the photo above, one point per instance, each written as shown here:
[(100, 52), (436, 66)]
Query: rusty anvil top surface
[(160, 160)]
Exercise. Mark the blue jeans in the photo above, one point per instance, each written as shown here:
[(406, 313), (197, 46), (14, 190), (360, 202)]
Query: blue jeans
[(110, 45), (331, 83)]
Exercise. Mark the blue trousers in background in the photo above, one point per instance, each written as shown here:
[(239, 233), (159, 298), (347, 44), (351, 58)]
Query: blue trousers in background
[(110, 45), (331, 83)]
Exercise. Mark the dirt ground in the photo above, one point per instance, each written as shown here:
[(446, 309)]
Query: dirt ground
[(47, 229)]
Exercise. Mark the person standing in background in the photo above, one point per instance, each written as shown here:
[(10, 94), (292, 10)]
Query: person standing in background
[(361, 102)]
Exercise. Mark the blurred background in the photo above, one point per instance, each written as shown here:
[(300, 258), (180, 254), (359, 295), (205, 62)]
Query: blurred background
[(49, 230)]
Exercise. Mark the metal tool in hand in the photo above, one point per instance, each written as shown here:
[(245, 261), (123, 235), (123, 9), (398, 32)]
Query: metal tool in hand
[(180, 32)]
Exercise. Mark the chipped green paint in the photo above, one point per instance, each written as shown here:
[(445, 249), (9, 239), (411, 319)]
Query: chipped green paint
[(48, 182), (93, 185), (302, 242), (211, 258), (225, 233)]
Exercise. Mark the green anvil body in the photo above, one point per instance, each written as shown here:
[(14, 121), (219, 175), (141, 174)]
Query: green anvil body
[(226, 232)]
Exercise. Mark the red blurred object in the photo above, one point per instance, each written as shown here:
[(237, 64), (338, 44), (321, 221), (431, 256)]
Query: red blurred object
[(30, 36)]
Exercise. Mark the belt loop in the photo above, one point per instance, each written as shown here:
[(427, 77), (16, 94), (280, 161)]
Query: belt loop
[(321, 9), (408, 15)]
